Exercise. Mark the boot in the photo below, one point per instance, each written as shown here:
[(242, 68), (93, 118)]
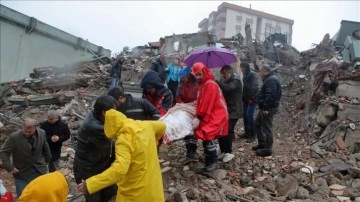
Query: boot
[(258, 147), (264, 152), (210, 167)]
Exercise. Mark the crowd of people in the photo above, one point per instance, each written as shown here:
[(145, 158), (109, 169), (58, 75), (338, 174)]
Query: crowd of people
[(116, 151)]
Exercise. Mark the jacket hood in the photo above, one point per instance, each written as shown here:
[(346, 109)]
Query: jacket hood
[(48, 187), (116, 123), (151, 79), (207, 75)]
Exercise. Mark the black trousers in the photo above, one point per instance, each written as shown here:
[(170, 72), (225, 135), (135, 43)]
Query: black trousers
[(173, 86), (103, 195), (225, 143), (263, 128), (209, 149)]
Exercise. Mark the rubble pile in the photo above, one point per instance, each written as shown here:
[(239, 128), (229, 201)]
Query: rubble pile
[(317, 140)]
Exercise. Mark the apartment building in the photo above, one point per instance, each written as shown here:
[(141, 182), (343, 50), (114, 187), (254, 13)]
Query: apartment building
[(230, 19)]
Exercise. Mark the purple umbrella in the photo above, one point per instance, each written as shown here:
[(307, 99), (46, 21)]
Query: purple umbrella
[(211, 56)]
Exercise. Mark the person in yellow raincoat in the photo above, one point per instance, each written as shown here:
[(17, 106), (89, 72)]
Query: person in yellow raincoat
[(136, 169), (48, 187)]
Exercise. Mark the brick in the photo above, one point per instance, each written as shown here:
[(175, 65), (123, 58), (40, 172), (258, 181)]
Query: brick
[(341, 144)]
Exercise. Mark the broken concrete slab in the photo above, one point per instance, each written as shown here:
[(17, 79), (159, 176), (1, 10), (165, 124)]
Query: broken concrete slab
[(348, 88), (36, 100), (339, 166), (352, 138), (349, 112)]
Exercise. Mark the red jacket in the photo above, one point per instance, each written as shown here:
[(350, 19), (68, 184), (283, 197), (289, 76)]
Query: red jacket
[(211, 107), (187, 92)]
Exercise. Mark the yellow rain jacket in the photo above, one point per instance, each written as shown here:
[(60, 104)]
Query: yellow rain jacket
[(51, 187), (136, 169)]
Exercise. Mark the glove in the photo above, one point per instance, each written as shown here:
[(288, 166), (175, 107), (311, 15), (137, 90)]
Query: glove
[(195, 123), (251, 101)]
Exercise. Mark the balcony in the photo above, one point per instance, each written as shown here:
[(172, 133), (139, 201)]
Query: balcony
[(221, 19), (221, 15), (221, 24)]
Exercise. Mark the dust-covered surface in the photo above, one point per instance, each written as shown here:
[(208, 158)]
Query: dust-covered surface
[(317, 140)]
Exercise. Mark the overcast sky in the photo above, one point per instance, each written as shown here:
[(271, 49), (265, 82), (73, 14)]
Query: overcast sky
[(115, 24)]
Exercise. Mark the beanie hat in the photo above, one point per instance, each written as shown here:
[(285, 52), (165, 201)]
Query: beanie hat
[(184, 71)]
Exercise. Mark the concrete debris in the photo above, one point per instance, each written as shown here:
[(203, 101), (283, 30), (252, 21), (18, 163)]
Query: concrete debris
[(317, 129)]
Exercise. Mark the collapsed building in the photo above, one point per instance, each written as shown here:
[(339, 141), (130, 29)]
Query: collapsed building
[(27, 43), (316, 151)]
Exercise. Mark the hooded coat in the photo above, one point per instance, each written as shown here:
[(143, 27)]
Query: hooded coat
[(163, 98), (49, 187), (211, 108), (136, 169), (187, 91)]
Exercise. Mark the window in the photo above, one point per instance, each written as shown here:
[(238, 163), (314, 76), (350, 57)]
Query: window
[(249, 20), (221, 19), (267, 31), (277, 29), (238, 18), (238, 27)]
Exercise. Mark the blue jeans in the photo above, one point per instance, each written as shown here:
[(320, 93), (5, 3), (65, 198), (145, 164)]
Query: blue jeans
[(21, 184), (248, 114), (114, 82)]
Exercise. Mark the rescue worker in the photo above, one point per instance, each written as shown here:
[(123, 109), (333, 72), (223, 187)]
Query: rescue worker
[(136, 169), (49, 187), (132, 107), (155, 92), (94, 152), (212, 118)]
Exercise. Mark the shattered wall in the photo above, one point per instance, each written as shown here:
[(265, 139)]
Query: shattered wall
[(184, 43), (25, 46)]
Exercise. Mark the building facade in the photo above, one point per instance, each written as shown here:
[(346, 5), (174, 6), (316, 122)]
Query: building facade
[(27, 43), (230, 19)]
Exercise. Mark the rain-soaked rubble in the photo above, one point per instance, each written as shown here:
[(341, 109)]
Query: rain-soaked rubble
[(317, 130)]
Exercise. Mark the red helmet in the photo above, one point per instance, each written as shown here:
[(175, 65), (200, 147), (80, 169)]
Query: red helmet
[(197, 67)]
